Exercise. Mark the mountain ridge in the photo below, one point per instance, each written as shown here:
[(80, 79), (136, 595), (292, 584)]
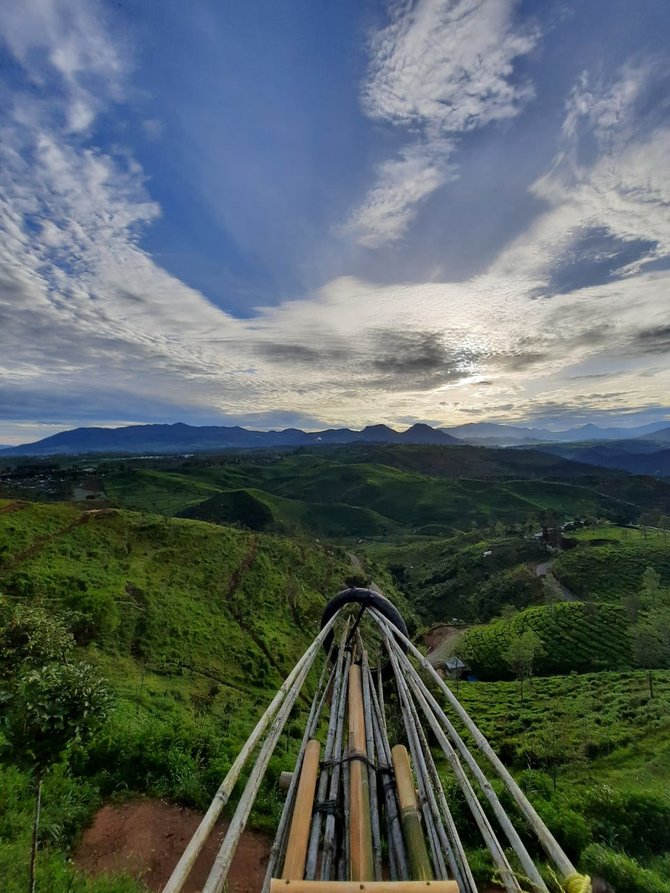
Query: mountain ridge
[(180, 437)]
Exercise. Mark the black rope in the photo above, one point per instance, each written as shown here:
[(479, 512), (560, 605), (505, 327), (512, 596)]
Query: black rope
[(382, 768), (328, 807), (348, 646)]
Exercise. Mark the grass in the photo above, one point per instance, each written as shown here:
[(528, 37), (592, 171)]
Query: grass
[(194, 625), (593, 754)]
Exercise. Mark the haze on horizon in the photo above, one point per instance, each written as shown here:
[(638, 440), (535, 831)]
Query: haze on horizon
[(333, 214)]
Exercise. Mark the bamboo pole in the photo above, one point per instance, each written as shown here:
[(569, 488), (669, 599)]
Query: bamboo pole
[(492, 843), (296, 849), (397, 851), (282, 886), (372, 774), (549, 843), (279, 845), (409, 812), (183, 868), (488, 834), (418, 745), (451, 842), (317, 818), (217, 877), (328, 854), (361, 864), (527, 864)]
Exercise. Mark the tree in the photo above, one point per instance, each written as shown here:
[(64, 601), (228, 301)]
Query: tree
[(29, 637), (524, 648), (650, 589), (651, 642), (50, 703)]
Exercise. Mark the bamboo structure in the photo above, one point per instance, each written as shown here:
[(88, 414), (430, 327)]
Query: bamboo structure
[(361, 806), (280, 886)]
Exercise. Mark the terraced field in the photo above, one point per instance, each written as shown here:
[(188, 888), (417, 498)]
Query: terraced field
[(576, 637)]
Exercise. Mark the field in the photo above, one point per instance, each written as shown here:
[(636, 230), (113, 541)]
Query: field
[(194, 624), (576, 637)]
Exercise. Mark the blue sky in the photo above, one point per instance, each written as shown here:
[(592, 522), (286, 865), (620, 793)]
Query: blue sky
[(333, 213)]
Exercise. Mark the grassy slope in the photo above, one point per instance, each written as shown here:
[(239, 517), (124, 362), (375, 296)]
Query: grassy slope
[(576, 637), (609, 567), (593, 754), (195, 626), (452, 578)]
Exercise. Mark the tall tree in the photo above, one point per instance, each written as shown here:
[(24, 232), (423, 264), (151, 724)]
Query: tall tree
[(522, 652), (50, 703)]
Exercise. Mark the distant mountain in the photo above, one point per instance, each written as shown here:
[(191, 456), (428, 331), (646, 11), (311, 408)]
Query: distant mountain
[(640, 456), (662, 436), (181, 438), (491, 434)]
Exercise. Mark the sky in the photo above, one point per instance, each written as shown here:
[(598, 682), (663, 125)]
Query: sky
[(333, 213)]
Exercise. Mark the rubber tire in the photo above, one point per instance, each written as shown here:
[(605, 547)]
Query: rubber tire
[(369, 599)]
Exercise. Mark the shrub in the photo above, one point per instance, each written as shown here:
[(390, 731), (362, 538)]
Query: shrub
[(622, 872)]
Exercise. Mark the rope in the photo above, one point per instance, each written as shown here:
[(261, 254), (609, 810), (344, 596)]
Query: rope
[(578, 883)]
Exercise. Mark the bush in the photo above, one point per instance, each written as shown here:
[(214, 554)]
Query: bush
[(637, 822), (622, 872)]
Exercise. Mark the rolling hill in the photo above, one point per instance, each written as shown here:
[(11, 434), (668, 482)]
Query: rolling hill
[(379, 490)]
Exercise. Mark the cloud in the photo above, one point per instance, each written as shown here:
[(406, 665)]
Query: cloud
[(607, 191), (66, 39), (91, 326), (439, 69)]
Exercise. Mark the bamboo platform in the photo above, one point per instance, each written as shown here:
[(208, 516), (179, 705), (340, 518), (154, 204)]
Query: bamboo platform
[(278, 885)]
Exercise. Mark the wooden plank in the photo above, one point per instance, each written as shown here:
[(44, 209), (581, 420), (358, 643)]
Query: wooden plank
[(277, 885), (296, 849)]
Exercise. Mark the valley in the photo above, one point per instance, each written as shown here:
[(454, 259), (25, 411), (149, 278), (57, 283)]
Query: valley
[(192, 584)]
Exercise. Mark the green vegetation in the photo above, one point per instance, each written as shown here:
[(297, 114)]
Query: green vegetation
[(593, 753), (193, 626), (574, 636), (610, 572), (378, 491)]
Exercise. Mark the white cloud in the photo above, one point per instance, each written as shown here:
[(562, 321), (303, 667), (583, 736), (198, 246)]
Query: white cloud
[(440, 68), (90, 324), (624, 188), (67, 38)]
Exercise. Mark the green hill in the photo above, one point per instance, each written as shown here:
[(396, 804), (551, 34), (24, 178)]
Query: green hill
[(195, 624), (575, 636), (260, 510), (610, 571), (369, 491)]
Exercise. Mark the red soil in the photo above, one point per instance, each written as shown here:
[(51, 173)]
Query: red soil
[(145, 838)]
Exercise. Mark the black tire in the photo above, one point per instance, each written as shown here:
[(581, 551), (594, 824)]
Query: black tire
[(369, 599)]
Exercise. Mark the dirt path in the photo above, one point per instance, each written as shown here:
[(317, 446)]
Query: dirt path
[(145, 838), (439, 641), (544, 570)]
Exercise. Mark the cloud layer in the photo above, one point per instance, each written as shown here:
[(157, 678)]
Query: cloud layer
[(93, 328)]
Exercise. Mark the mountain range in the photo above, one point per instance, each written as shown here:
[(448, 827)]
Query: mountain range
[(182, 438)]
